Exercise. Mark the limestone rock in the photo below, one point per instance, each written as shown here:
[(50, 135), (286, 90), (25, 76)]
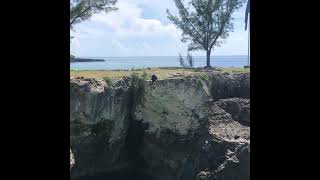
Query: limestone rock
[(98, 125), (71, 160), (181, 128)]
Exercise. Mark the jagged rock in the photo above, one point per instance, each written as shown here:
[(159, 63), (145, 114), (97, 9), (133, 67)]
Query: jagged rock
[(236, 166), (174, 155), (71, 160), (183, 128), (230, 85), (239, 108), (98, 125)]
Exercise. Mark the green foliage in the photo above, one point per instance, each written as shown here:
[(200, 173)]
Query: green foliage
[(81, 10), (181, 60), (136, 69), (137, 90), (108, 80), (135, 76), (206, 23), (199, 84), (189, 62), (204, 77), (144, 75)]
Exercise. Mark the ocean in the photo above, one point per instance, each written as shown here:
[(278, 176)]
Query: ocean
[(113, 63)]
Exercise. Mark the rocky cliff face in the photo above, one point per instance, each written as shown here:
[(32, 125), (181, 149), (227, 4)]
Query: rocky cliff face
[(98, 125), (185, 128)]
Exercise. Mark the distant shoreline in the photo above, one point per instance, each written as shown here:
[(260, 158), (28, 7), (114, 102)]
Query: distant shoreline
[(86, 60), (144, 61)]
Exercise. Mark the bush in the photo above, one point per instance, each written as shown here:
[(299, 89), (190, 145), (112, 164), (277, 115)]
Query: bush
[(108, 80), (144, 75), (204, 77), (190, 60), (198, 84), (181, 60), (137, 89), (189, 63)]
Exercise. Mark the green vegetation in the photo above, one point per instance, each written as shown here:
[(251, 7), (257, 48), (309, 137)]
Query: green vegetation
[(137, 69), (204, 77), (162, 73), (181, 61), (108, 80), (199, 84), (137, 90), (188, 63), (190, 60), (81, 10), (144, 75), (207, 24)]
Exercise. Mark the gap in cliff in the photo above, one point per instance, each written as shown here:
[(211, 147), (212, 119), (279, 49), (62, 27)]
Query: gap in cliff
[(136, 131), (207, 148)]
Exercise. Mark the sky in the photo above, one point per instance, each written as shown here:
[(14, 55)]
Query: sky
[(141, 28)]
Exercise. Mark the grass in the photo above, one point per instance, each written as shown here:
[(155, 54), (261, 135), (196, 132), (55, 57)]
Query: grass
[(145, 73), (236, 70)]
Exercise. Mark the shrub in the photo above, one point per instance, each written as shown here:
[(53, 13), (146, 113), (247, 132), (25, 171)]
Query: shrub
[(204, 77), (190, 60), (189, 63), (108, 80), (144, 75), (181, 60)]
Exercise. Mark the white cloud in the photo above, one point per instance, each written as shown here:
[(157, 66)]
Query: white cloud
[(140, 27), (75, 41), (145, 46), (128, 22), (117, 44)]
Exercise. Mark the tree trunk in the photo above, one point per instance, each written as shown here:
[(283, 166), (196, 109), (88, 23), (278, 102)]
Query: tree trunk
[(208, 59)]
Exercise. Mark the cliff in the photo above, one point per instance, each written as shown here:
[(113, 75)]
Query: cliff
[(194, 127)]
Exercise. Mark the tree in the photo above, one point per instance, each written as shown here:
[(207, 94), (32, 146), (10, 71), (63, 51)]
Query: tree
[(208, 21), (81, 10), (189, 61)]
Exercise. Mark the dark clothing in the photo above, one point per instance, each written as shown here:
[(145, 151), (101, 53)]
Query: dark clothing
[(154, 78)]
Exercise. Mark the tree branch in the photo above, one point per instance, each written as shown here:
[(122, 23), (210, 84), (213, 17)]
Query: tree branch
[(188, 21), (221, 29), (87, 9), (79, 15)]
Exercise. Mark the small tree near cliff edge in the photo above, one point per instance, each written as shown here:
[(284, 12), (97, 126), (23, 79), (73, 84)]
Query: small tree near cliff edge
[(204, 22)]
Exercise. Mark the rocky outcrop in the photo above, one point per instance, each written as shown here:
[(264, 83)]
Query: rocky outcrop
[(195, 127), (239, 109), (71, 160), (225, 85), (206, 139), (98, 125)]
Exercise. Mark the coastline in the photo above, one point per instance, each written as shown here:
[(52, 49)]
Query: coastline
[(86, 60)]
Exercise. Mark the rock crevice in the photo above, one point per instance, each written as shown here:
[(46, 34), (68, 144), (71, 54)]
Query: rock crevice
[(186, 128)]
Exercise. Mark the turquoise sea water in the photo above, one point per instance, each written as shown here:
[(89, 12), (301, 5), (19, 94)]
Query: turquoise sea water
[(156, 61)]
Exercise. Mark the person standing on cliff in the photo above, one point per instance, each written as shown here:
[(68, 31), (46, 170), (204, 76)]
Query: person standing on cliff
[(153, 81)]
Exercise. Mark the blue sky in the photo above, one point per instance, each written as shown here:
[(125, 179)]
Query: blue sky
[(141, 28)]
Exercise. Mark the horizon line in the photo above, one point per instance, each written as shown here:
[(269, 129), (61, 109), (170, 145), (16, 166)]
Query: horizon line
[(154, 56)]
